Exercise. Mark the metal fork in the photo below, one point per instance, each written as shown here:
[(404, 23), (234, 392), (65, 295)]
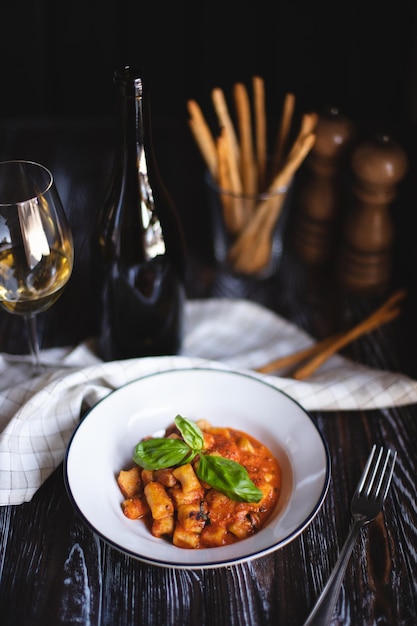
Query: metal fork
[(367, 502)]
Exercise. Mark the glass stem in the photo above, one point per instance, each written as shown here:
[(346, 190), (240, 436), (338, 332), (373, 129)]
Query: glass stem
[(33, 342)]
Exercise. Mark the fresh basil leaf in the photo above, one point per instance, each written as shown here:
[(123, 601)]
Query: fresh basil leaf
[(190, 432), (229, 477), (159, 453)]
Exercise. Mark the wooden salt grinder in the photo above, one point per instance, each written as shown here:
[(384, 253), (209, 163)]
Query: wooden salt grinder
[(365, 259), (319, 196)]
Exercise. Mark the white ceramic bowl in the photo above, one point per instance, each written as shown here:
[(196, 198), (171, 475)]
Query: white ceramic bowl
[(103, 444)]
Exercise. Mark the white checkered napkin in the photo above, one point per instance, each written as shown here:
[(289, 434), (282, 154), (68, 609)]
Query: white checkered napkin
[(38, 415)]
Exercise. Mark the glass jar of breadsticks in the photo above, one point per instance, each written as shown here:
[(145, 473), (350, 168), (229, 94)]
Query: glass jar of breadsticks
[(247, 182)]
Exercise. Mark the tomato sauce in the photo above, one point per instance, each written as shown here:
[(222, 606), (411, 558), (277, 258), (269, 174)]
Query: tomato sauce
[(190, 513), (230, 520)]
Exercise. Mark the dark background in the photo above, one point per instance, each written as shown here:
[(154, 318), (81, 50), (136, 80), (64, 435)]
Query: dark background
[(57, 62), (57, 59)]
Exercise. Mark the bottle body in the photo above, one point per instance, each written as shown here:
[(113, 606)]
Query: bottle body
[(139, 248)]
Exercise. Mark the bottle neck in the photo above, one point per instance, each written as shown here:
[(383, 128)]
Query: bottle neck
[(131, 127), (134, 119)]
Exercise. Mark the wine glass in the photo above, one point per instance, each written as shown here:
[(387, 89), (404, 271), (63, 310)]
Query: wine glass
[(36, 246)]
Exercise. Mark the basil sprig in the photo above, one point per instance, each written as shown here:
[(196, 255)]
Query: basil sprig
[(222, 474)]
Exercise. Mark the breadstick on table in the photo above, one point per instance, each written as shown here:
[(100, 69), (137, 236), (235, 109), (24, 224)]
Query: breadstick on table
[(384, 314), (294, 358), (260, 129), (247, 161), (203, 137), (283, 130), (325, 348)]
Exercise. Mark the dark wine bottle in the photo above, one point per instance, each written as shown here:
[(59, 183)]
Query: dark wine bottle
[(139, 267)]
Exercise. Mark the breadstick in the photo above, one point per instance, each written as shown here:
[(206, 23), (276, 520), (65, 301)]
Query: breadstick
[(231, 219), (384, 314), (297, 357), (298, 153), (307, 128), (251, 250), (225, 121), (309, 368), (203, 137), (322, 350), (308, 124), (283, 131), (248, 169), (260, 129)]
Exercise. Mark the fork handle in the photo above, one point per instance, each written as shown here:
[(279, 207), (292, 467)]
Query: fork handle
[(324, 607)]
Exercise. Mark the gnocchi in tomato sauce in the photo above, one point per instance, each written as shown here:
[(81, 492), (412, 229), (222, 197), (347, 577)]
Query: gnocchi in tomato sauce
[(178, 506)]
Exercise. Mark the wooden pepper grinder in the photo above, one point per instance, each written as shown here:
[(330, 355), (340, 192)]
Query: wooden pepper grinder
[(320, 191), (365, 259)]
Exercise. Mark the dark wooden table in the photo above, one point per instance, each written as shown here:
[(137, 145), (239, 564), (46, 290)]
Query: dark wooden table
[(55, 571)]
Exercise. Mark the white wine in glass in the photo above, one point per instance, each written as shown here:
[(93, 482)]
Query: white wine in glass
[(36, 246)]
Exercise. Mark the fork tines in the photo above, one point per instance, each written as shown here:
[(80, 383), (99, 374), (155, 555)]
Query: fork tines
[(376, 477)]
